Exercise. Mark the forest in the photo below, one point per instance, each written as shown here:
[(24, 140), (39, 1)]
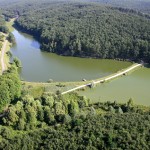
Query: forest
[(139, 5), (3, 28), (87, 30), (46, 123)]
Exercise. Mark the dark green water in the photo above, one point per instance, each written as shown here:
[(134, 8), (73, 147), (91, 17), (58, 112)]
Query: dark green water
[(136, 86), (42, 66)]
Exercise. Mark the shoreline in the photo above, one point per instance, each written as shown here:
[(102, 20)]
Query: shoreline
[(72, 84), (37, 37)]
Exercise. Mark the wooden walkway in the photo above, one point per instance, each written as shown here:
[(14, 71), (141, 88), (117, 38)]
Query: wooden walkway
[(104, 79)]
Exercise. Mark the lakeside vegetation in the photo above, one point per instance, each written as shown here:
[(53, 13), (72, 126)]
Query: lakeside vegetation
[(3, 27), (49, 121), (3, 30), (88, 30), (10, 87), (5, 34)]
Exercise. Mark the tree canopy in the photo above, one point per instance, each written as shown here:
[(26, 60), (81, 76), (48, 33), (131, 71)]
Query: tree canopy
[(88, 30), (10, 87), (3, 27), (48, 123)]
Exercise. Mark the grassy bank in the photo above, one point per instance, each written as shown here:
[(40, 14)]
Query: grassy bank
[(38, 88), (10, 25)]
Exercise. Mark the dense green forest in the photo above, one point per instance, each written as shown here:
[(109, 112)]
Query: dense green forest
[(95, 132), (140, 5), (69, 122), (10, 86), (87, 30), (3, 28)]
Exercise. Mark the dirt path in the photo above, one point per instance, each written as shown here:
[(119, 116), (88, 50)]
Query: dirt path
[(2, 56), (104, 79)]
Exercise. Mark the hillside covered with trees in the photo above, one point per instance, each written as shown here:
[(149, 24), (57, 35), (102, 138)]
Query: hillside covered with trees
[(139, 5), (87, 30), (3, 27), (70, 122)]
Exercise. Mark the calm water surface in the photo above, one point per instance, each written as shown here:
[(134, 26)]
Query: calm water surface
[(42, 66), (136, 86)]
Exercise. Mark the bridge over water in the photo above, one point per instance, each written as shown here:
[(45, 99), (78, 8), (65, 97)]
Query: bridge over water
[(108, 78)]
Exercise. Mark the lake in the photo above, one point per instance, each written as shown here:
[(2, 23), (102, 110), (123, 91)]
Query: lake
[(41, 66), (135, 86)]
